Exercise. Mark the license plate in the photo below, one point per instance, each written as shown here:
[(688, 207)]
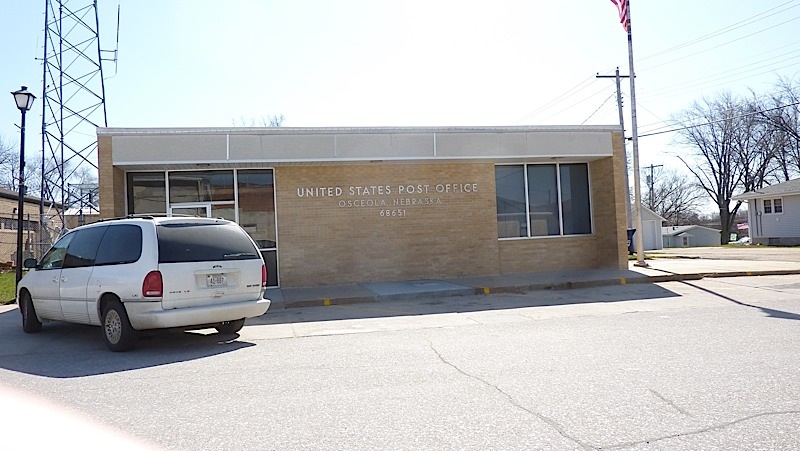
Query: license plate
[(215, 280)]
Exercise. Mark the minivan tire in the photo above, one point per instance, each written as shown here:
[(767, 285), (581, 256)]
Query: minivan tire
[(118, 334), (230, 327), (30, 322)]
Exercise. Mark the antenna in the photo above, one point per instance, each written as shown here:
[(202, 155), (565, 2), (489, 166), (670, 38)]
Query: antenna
[(73, 99), (114, 53)]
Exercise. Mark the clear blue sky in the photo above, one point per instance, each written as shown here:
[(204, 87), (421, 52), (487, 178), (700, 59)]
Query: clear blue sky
[(412, 63)]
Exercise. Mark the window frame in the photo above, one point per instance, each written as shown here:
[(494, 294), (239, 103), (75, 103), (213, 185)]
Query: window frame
[(774, 205), (526, 188)]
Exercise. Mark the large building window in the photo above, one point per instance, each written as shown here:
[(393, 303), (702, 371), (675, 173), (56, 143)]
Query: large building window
[(543, 200), (200, 186), (256, 188), (147, 193)]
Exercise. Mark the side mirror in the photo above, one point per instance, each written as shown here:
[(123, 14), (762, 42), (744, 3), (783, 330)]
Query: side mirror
[(29, 263)]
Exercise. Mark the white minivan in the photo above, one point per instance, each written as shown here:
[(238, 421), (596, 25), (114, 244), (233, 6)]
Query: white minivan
[(147, 272)]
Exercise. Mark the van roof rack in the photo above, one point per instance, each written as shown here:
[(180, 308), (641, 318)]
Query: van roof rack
[(151, 216)]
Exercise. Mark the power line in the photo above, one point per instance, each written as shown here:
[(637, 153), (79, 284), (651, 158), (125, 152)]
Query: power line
[(750, 20), (577, 88), (761, 64), (740, 71), (598, 108), (720, 120)]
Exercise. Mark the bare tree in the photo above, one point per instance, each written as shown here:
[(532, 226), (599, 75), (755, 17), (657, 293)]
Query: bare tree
[(782, 113), (269, 121), (756, 144), (8, 165), (675, 197), (710, 129), (9, 169)]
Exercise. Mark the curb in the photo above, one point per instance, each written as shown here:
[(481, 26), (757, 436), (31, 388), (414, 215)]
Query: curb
[(521, 289), (328, 302)]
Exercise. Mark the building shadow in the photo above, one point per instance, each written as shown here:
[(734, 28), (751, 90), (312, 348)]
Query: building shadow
[(464, 304), (771, 313)]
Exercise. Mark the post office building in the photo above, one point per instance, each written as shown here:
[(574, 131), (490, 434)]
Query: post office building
[(349, 205)]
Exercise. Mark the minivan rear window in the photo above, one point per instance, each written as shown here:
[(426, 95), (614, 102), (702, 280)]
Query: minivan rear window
[(197, 242)]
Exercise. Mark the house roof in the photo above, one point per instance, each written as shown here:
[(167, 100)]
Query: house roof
[(680, 230), (780, 189), (652, 213), (13, 195)]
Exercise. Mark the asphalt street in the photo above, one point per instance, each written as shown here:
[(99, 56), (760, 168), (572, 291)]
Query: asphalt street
[(706, 364)]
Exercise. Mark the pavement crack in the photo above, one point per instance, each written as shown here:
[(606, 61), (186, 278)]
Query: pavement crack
[(549, 421), (669, 402), (716, 427)]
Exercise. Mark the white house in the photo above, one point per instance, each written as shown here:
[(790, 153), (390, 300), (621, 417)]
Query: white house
[(773, 213), (690, 236)]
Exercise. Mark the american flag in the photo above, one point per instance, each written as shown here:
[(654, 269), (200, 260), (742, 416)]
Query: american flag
[(622, 7)]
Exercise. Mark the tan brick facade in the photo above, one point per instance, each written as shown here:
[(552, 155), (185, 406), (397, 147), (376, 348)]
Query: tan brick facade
[(379, 219), (111, 180), (367, 233), (321, 242)]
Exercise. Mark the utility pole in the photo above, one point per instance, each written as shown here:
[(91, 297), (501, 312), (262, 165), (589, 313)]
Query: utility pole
[(617, 76), (651, 181)]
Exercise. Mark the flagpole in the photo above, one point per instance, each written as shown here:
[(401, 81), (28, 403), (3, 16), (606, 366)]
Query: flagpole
[(637, 190)]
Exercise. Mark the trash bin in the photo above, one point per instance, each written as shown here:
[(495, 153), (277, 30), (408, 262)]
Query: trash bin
[(630, 241)]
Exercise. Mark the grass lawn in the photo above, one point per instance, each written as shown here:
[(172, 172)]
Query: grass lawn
[(8, 280)]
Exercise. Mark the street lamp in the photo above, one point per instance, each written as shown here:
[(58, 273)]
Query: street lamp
[(24, 100)]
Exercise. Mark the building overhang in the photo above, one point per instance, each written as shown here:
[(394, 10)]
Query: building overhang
[(216, 148)]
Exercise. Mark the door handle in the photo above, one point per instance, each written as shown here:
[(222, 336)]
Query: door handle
[(55, 279)]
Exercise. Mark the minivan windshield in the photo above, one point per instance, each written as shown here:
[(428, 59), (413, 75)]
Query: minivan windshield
[(199, 242)]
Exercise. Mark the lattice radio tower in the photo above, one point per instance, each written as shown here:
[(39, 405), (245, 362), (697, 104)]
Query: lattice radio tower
[(74, 103)]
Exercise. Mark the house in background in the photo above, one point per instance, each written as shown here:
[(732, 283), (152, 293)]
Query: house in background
[(36, 238), (651, 230), (690, 236), (76, 217), (773, 214)]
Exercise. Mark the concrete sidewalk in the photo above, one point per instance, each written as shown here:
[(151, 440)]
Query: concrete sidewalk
[(659, 270)]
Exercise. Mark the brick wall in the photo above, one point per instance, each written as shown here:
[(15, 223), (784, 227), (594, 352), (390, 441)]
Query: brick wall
[(610, 205), (111, 181), (547, 254), (345, 238)]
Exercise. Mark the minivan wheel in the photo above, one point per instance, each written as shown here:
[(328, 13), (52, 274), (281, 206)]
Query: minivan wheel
[(118, 333), (230, 327), (30, 322)]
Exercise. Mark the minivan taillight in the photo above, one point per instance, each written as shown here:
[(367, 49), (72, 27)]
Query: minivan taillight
[(263, 276), (153, 286)]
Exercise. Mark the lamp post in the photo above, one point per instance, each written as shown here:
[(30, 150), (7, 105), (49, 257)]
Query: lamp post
[(24, 100)]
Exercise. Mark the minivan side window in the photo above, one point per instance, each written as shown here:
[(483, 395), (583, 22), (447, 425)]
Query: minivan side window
[(83, 248), (197, 242), (121, 244), (54, 258)]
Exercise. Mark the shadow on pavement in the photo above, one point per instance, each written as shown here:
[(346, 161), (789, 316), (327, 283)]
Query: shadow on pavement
[(771, 313), (64, 350), (465, 304)]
